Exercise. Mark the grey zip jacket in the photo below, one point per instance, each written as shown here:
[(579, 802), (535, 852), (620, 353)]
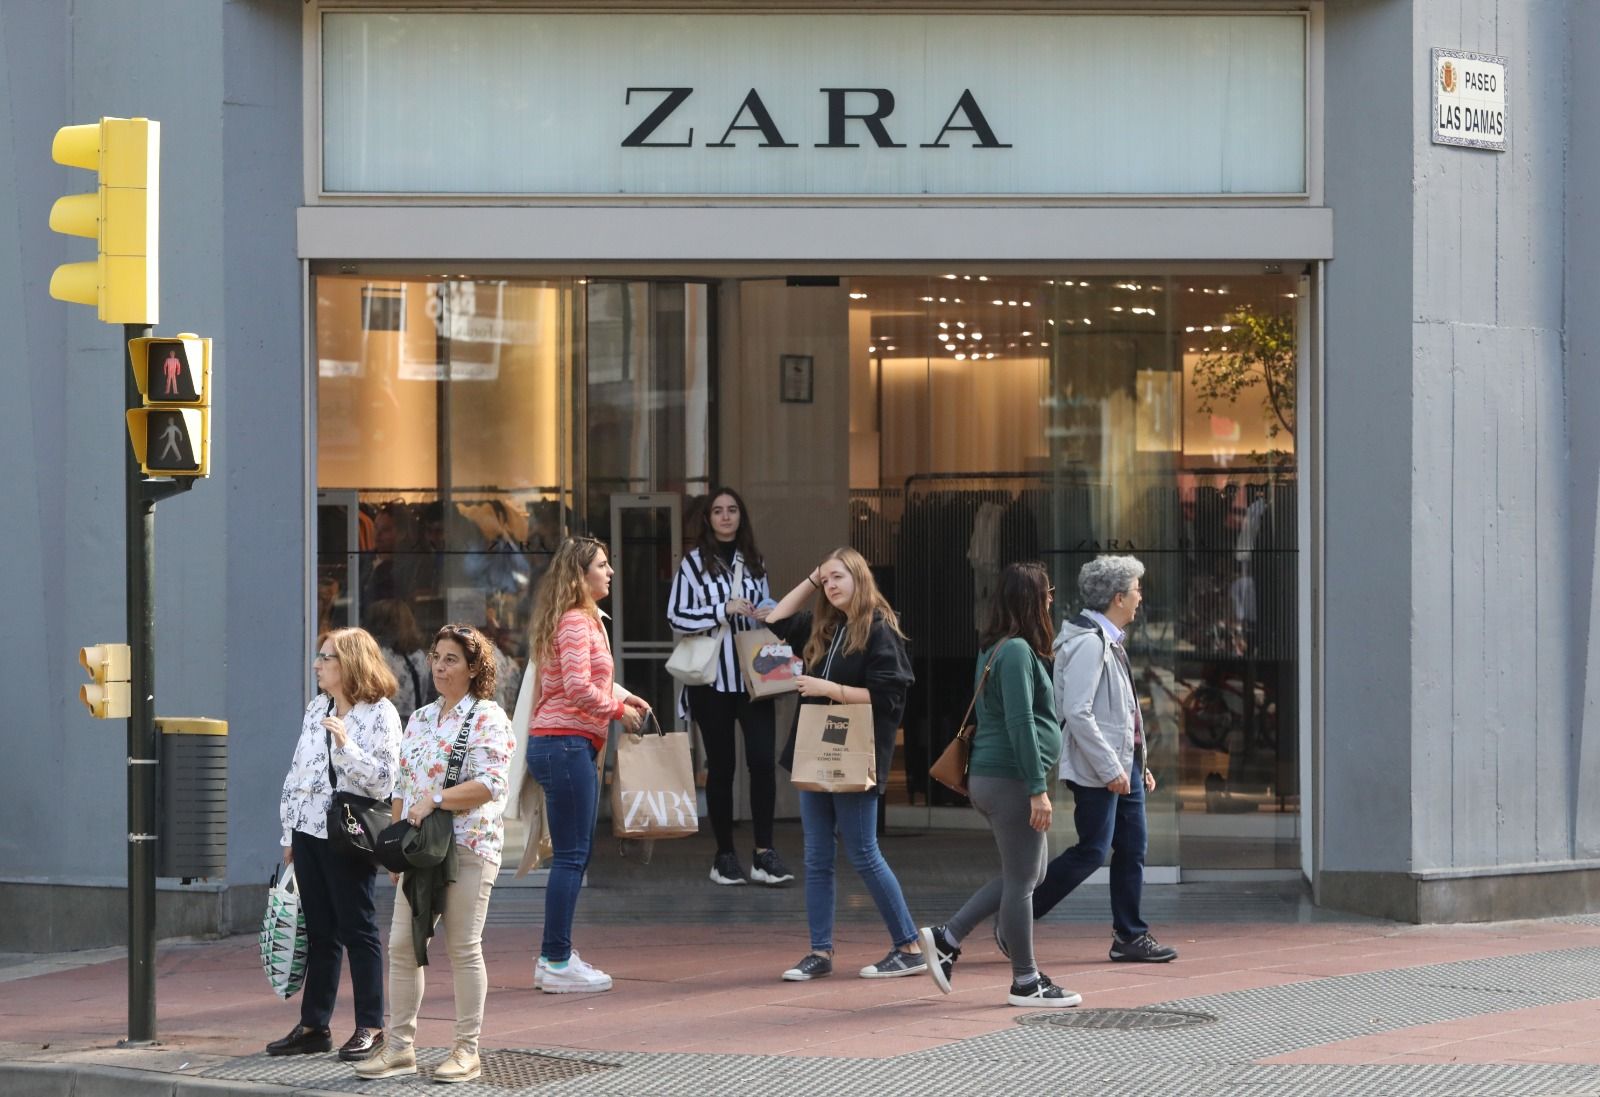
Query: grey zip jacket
[(1095, 701)]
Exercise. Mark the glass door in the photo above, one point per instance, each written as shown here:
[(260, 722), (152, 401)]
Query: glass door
[(645, 550)]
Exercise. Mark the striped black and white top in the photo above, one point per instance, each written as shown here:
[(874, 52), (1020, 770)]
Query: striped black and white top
[(699, 603)]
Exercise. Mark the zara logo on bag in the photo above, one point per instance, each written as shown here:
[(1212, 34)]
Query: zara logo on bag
[(658, 808)]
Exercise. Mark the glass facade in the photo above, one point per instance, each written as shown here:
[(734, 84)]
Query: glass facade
[(463, 425)]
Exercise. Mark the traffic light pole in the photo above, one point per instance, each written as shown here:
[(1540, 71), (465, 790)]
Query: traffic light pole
[(141, 498)]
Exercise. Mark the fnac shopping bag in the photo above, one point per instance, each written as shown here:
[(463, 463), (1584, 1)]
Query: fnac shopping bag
[(652, 788), (834, 750), (283, 935), (769, 664)]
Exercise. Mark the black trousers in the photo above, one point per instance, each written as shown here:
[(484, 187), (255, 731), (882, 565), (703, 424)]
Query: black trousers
[(716, 713), (337, 896)]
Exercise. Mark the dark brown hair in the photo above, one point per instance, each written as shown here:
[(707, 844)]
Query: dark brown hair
[(744, 538), (480, 657), (1021, 607)]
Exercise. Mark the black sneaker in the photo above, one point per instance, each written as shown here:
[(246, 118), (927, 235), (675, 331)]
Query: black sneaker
[(941, 955), (768, 868), (896, 964), (725, 869), (1143, 949), (811, 966), (1042, 994)]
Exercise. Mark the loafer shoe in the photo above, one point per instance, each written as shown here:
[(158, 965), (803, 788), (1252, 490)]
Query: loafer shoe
[(302, 1041), (363, 1044)]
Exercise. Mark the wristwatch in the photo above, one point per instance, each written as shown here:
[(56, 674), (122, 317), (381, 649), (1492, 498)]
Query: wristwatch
[(438, 799)]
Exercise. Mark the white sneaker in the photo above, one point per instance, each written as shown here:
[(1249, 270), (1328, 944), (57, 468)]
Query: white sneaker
[(578, 977), (541, 967)]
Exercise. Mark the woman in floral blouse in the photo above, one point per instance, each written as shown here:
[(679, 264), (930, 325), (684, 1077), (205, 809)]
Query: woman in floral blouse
[(351, 724), (464, 674)]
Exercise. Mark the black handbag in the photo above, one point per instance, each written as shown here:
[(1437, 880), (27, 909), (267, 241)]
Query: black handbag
[(354, 821)]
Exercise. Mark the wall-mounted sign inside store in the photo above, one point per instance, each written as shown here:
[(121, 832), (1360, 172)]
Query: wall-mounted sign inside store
[(1469, 100)]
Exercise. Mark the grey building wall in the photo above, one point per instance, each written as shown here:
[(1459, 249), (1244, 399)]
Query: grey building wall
[(1449, 785), (224, 80)]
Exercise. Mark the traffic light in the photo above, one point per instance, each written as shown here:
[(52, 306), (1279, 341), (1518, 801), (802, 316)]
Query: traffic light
[(106, 695), (171, 434), (122, 282)]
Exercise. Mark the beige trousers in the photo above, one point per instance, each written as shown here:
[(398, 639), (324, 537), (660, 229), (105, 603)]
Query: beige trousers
[(466, 903)]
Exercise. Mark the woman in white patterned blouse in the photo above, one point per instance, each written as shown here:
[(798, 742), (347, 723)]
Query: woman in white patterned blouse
[(350, 727)]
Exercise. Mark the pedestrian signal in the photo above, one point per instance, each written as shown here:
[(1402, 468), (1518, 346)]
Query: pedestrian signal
[(171, 433), (122, 282), (106, 695)]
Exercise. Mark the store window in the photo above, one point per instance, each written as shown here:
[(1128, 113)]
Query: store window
[(443, 465), (996, 419)]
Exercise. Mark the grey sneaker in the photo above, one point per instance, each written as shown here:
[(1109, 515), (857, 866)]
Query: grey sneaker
[(768, 868), (895, 964), (725, 869), (1143, 949), (811, 966), (1042, 994)]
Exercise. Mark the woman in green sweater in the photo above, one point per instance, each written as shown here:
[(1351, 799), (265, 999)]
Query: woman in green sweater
[(1014, 757)]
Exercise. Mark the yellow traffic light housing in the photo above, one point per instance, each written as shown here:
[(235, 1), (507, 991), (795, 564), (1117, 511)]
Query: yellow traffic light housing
[(171, 434), (123, 282), (109, 666)]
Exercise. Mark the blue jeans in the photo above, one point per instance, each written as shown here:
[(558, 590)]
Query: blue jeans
[(564, 766), (854, 817), (1106, 822)]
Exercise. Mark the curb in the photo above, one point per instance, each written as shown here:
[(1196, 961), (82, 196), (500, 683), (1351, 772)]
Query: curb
[(75, 1080)]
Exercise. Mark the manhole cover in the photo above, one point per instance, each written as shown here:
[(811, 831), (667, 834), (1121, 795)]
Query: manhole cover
[(519, 1069), (1118, 1020)]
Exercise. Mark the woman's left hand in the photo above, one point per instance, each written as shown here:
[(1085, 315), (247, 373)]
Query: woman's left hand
[(633, 700), (808, 685), (420, 811), (1149, 781), (335, 728), (1040, 811)]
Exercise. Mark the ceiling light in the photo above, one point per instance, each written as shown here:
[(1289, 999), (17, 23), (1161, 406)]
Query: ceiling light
[(961, 335), (1044, 344), (989, 355), (858, 296), (1227, 327), (872, 350), (944, 324), (950, 276), (997, 301), (1116, 308), (983, 277), (889, 347), (961, 323), (1086, 320), (1189, 328), (1013, 304), (961, 358), (928, 299), (977, 335), (1206, 328), (1027, 304)]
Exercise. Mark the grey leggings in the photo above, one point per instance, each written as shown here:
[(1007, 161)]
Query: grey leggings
[(1024, 856)]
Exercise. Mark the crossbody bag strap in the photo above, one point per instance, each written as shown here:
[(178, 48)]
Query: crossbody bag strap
[(458, 753), (327, 738), (971, 708)]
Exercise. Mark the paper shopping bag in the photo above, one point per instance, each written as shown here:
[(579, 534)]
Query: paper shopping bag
[(652, 788), (834, 750), (769, 664)]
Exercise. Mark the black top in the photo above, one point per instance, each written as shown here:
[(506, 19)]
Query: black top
[(882, 668)]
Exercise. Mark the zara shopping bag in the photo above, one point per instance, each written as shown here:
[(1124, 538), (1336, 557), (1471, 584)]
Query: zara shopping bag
[(283, 935), (652, 787), (769, 664), (834, 749)]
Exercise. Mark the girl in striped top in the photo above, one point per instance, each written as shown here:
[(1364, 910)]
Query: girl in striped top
[(578, 699), (722, 584)]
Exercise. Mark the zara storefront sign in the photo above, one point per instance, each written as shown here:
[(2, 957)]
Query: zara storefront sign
[(1469, 100), (514, 104)]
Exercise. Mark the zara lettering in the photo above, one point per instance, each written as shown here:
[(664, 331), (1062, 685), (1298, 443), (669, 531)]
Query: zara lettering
[(752, 115), (659, 808)]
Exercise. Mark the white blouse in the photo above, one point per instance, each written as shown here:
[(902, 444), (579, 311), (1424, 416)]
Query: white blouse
[(365, 764)]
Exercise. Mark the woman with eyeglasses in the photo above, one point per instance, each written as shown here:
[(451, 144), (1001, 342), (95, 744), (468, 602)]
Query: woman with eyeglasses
[(578, 699), (465, 712), (351, 729), (1014, 756)]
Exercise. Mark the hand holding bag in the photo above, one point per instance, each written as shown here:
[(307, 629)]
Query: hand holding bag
[(769, 665), (393, 838), (282, 939), (652, 786), (694, 658), (354, 821), (950, 770)]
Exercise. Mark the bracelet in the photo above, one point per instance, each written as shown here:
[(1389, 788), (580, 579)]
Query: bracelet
[(813, 582)]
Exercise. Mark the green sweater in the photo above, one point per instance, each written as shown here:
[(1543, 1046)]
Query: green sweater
[(1018, 733)]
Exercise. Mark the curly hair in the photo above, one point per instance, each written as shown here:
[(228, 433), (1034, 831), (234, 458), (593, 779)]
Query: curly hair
[(366, 677), (1105, 577), (564, 587), (866, 603), (480, 657)]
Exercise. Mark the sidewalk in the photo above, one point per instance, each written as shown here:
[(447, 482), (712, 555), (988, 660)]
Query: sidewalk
[(1290, 1001)]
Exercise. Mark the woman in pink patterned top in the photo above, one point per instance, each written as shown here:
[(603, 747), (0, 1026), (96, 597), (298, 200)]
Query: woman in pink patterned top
[(578, 699)]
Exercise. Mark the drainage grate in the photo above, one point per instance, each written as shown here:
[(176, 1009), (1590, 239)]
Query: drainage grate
[(520, 1069), (1118, 1020)]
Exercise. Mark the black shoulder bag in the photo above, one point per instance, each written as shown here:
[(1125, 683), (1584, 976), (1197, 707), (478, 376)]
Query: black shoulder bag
[(391, 839), (354, 821)]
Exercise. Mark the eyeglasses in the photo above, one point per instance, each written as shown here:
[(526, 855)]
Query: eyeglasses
[(324, 657)]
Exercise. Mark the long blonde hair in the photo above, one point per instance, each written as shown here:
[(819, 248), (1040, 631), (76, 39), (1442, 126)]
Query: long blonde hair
[(564, 587), (866, 602)]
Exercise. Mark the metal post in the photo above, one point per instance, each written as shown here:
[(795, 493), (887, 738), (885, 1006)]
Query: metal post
[(141, 531)]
